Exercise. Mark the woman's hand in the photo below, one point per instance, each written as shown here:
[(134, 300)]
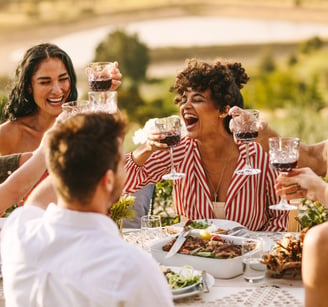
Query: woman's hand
[(154, 141), (243, 117)]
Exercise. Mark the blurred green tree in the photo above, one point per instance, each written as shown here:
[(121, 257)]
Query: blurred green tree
[(129, 51), (311, 44)]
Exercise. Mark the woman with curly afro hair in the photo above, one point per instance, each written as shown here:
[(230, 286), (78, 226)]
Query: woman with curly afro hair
[(208, 154)]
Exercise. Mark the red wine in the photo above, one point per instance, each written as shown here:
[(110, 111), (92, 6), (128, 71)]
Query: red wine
[(247, 136), (171, 139), (284, 166), (100, 85)]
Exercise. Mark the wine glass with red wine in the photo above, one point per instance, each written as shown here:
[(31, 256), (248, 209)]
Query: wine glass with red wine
[(246, 131), (284, 153), (99, 76), (171, 128)]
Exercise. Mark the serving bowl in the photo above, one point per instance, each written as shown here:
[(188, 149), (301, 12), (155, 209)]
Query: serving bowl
[(219, 268)]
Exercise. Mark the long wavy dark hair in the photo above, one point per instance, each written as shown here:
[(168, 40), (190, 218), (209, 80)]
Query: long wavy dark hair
[(21, 102), (225, 80)]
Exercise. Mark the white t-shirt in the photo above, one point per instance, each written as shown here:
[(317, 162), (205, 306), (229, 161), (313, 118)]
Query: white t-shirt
[(60, 257)]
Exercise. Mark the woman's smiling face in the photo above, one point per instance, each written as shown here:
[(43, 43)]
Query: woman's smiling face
[(199, 113), (51, 86)]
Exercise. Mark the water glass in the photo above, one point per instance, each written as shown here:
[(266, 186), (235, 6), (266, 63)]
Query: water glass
[(151, 230), (252, 256)]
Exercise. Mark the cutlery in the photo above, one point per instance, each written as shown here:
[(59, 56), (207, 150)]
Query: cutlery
[(238, 231), (204, 282), (180, 239)]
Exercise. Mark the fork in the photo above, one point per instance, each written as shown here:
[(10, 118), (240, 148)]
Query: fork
[(238, 230)]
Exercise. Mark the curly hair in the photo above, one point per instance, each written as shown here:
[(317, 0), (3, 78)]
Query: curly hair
[(21, 102), (225, 80)]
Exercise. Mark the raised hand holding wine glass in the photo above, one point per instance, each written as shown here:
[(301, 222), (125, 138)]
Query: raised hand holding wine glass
[(171, 128), (246, 131), (284, 154)]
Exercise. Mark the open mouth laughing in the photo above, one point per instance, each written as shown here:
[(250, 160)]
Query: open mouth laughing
[(56, 101), (190, 120)]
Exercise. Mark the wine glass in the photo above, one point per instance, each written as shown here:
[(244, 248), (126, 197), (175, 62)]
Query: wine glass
[(283, 153), (246, 131), (99, 76), (71, 108), (104, 101), (171, 128)]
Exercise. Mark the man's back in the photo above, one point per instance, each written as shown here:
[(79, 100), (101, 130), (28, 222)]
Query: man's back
[(69, 258)]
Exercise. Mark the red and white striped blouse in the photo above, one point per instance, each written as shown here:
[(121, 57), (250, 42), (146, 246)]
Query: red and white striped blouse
[(248, 197)]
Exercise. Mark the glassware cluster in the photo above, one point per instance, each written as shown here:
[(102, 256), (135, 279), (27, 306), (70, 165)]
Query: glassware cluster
[(100, 82), (100, 98)]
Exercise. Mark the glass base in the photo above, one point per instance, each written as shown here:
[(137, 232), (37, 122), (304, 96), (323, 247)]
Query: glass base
[(286, 207), (174, 176), (248, 171)]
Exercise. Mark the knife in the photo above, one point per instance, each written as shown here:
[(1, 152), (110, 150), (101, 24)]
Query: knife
[(180, 240), (204, 282)]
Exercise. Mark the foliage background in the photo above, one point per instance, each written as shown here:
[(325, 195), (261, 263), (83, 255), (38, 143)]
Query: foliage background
[(289, 81)]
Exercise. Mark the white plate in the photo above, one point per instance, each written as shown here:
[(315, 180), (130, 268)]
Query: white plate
[(178, 269), (214, 224), (196, 290)]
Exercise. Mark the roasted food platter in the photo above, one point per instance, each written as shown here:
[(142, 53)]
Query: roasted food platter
[(219, 256)]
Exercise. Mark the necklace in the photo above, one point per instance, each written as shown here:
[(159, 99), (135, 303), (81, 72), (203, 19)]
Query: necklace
[(207, 172)]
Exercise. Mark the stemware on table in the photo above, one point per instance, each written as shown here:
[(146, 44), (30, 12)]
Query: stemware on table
[(284, 154), (151, 230), (171, 128), (246, 131)]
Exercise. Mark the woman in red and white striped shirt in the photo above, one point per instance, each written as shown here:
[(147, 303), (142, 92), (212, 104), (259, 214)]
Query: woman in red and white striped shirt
[(208, 155)]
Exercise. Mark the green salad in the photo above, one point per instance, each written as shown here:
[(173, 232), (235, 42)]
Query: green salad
[(199, 224), (184, 278)]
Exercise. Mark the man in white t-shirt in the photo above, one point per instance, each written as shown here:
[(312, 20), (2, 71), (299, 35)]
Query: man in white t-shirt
[(72, 254)]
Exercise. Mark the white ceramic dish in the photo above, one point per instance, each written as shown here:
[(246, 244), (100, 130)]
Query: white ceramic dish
[(196, 290), (214, 224), (183, 270), (219, 268)]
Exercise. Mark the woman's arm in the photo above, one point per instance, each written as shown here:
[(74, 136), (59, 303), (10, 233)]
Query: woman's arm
[(21, 181)]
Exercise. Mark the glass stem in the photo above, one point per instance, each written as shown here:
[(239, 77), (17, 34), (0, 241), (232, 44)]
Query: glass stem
[(248, 165), (283, 200), (172, 162)]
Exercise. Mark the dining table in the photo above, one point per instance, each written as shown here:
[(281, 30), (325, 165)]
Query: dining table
[(236, 292), (232, 292)]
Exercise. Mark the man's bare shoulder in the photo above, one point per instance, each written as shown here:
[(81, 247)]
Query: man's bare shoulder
[(315, 157)]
